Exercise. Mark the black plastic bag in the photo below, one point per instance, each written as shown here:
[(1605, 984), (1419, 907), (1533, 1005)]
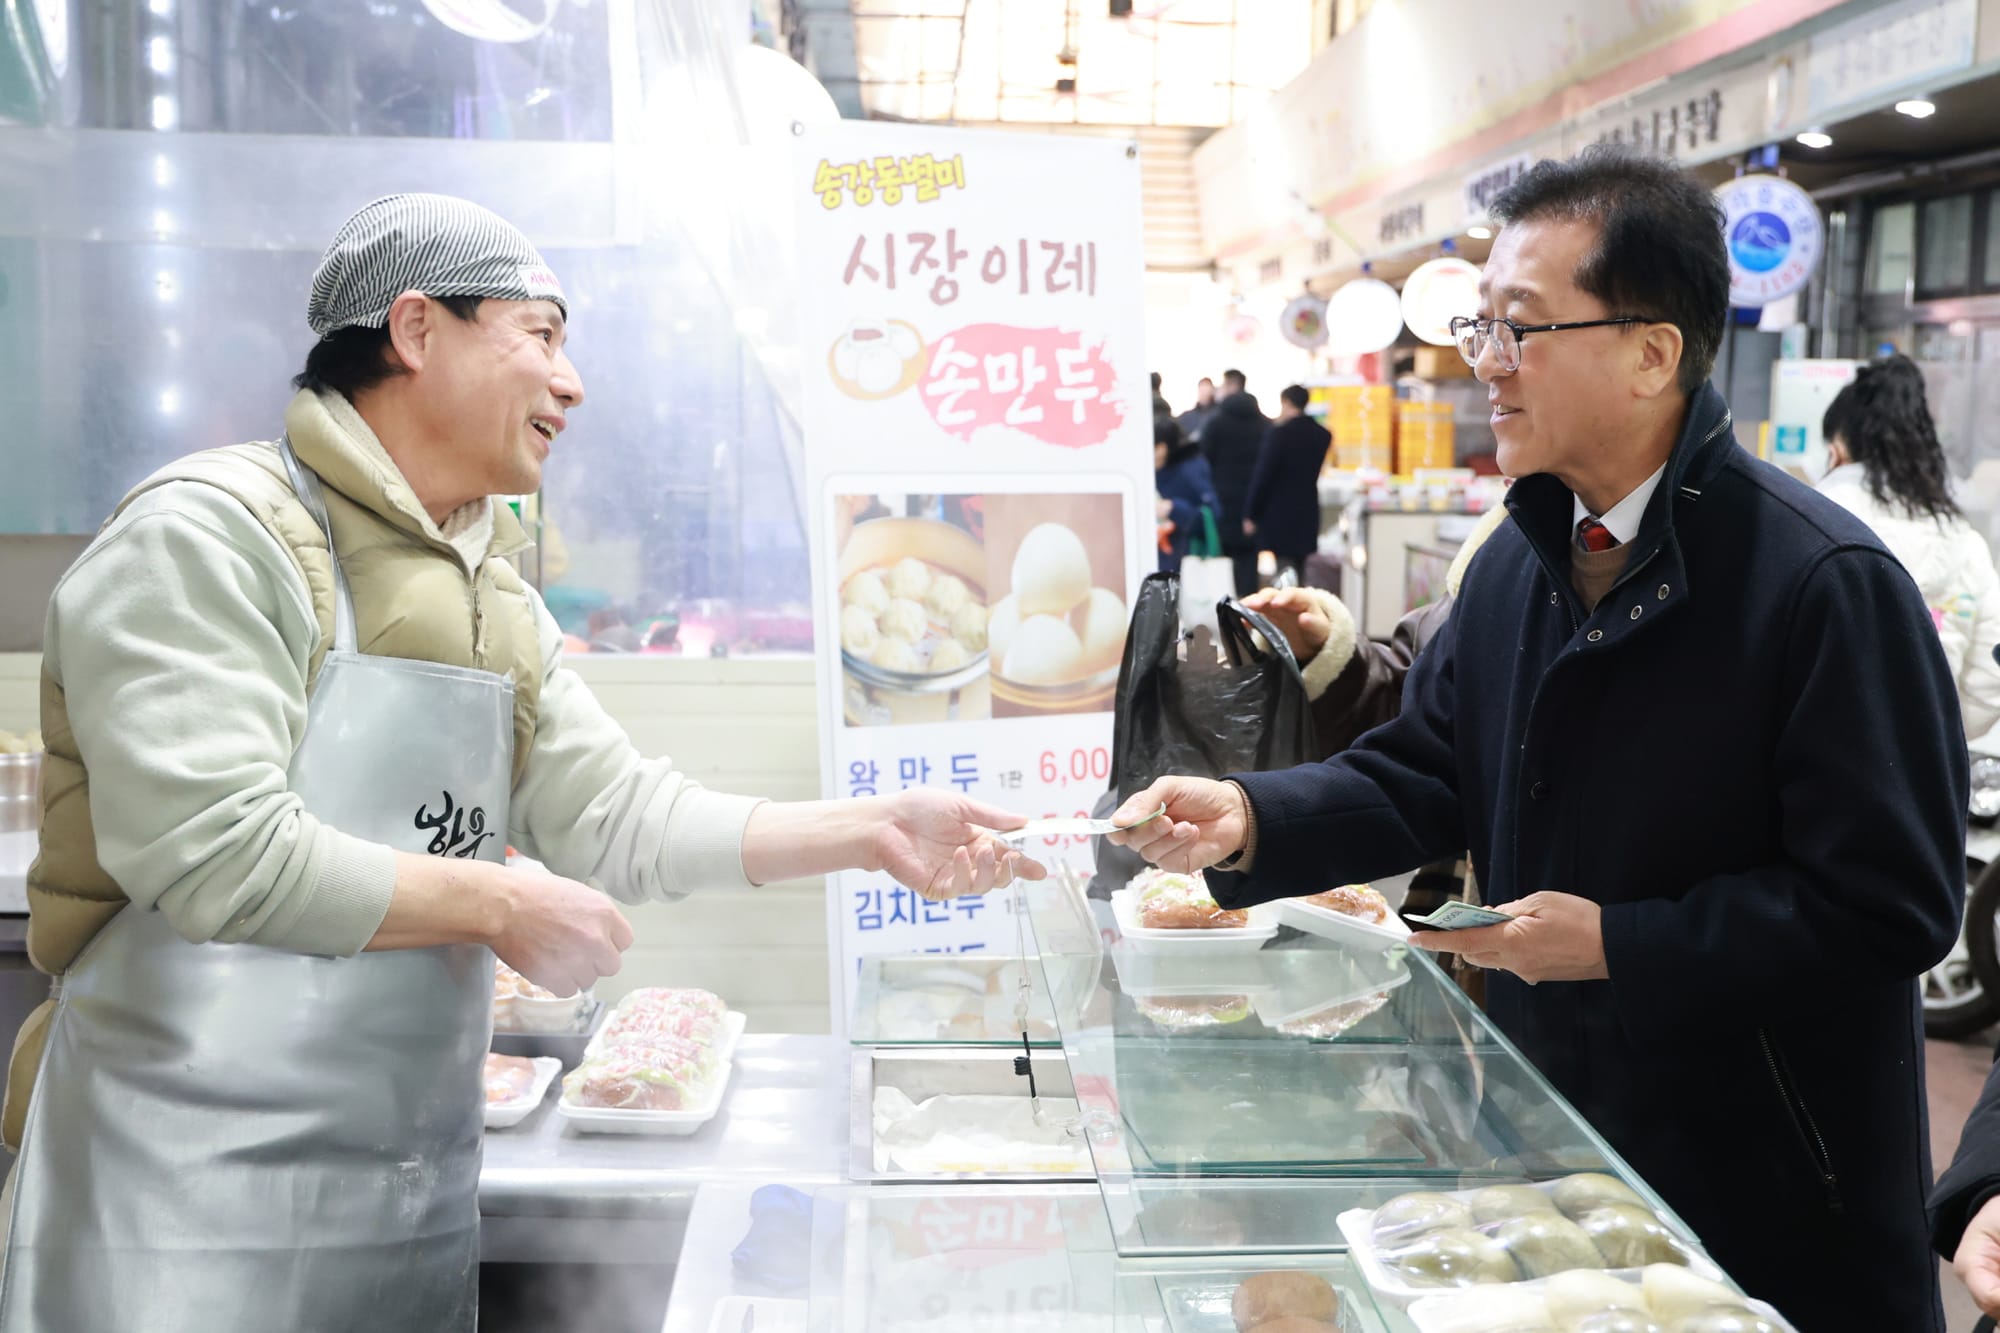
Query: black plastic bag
[(1185, 709)]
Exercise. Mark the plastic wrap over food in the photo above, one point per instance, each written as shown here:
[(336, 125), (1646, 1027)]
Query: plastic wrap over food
[(1514, 1233)]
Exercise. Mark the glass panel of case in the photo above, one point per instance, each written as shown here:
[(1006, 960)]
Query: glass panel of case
[(1239, 1101)]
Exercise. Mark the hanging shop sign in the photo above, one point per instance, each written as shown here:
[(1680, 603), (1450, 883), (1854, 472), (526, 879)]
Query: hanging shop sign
[(1774, 236), (1438, 292), (1363, 316), (1888, 49), (1304, 322), (978, 450), (1482, 187)]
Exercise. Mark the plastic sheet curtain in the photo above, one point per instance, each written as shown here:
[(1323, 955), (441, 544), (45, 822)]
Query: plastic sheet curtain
[(171, 169)]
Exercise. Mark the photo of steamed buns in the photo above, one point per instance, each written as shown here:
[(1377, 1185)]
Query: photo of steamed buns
[(1051, 574), (1058, 574), (1044, 651), (952, 605), (860, 631), (912, 618)]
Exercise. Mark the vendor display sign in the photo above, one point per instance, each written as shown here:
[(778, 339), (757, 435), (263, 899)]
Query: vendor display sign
[(978, 444)]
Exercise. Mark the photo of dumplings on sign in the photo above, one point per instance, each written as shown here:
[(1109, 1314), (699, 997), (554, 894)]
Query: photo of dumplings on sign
[(1059, 574), (965, 607)]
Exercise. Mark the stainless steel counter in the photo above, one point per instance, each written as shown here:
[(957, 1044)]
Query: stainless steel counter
[(550, 1195)]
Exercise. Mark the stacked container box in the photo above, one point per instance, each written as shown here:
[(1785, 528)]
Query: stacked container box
[(1424, 436), (1362, 419)]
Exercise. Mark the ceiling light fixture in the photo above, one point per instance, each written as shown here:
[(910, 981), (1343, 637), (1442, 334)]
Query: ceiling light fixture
[(1480, 233), (1816, 139), (1917, 108)]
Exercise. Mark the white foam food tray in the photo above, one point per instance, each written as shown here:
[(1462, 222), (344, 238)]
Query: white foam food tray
[(506, 1115), (1357, 1225), (1450, 1311), (610, 1120), (1332, 925), (1230, 939)]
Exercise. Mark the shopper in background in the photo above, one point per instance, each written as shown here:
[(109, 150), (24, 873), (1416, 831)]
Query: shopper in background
[(1281, 512), (1161, 408), (1232, 440), (1888, 470), (297, 703), (1197, 416), (1184, 488), (1694, 724)]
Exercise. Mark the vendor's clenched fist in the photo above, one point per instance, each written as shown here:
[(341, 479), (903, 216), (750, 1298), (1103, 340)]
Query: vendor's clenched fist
[(1205, 822), (560, 934)]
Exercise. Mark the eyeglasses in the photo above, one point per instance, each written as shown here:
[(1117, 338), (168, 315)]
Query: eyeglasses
[(1505, 335)]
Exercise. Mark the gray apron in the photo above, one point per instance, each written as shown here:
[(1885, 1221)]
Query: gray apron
[(225, 1137)]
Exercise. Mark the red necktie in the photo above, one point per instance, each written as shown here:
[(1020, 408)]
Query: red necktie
[(1594, 536)]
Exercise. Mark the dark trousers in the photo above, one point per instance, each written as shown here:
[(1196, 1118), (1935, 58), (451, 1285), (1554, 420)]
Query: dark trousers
[(1245, 561)]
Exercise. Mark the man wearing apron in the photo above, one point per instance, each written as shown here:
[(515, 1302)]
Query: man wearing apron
[(297, 705)]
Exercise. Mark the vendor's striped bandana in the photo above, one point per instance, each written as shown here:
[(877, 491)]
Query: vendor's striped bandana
[(431, 243)]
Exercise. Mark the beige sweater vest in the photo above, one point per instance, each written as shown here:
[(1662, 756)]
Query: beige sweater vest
[(413, 598)]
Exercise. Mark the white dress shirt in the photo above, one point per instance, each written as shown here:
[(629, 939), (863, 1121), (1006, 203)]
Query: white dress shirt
[(1622, 520)]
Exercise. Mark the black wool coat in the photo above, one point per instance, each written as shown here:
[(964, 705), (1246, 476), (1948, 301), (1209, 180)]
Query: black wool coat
[(1232, 439), (1750, 755), (1284, 490)]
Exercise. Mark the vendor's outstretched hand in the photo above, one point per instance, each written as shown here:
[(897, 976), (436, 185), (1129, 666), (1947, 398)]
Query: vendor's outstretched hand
[(1205, 822), (938, 843), (1298, 617)]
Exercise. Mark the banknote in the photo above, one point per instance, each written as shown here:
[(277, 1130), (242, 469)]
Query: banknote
[(1460, 916)]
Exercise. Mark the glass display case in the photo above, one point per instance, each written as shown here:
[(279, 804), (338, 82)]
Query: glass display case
[(988, 1000), (969, 1258), (1238, 1102)]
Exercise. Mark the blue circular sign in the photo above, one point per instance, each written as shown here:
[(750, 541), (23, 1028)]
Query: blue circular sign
[(1774, 237), (1760, 241)]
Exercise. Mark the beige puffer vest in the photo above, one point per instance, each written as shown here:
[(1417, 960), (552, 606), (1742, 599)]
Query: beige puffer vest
[(412, 598)]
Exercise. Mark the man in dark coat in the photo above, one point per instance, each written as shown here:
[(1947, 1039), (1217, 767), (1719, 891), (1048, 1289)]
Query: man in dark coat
[(1197, 416), (1281, 512), (1695, 726), (1232, 439)]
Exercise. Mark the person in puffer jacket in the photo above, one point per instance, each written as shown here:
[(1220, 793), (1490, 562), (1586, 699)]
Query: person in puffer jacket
[(1888, 470), (1355, 684)]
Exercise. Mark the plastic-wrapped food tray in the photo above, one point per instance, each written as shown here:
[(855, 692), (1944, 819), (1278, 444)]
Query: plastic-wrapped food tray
[(1229, 939), (506, 1115), (1200, 1303), (1357, 1226), (1456, 1311), (612, 1120), (726, 1036)]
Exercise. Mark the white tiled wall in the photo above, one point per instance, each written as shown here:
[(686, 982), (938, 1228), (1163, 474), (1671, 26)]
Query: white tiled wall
[(742, 726)]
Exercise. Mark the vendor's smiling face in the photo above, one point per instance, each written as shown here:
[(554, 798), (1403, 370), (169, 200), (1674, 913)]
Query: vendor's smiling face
[(490, 394), (507, 386), (1564, 400)]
